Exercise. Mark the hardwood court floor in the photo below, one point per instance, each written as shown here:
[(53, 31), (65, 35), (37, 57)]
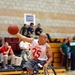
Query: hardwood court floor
[(64, 73), (60, 73)]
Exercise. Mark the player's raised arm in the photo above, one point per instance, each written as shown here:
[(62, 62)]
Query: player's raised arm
[(24, 38), (13, 30)]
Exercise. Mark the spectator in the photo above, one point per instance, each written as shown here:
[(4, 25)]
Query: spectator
[(63, 50), (25, 47), (7, 55), (72, 47), (40, 54), (38, 30), (23, 30), (1, 59), (30, 30), (68, 51)]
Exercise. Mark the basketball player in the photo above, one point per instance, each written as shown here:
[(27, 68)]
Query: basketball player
[(40, 54)]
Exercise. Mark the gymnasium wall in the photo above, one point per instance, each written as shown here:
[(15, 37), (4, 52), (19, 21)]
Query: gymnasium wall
[(57, 17)]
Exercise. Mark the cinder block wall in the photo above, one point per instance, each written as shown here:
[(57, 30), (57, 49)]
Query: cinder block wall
[(57, 17)]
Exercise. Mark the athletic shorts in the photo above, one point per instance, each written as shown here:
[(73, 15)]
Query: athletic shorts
[(34, 64)]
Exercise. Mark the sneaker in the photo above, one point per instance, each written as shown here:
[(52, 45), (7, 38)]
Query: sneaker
[(11, 67), (5, 68)]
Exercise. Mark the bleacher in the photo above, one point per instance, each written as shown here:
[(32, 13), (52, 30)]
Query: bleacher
[(56, 52), (14, 42)]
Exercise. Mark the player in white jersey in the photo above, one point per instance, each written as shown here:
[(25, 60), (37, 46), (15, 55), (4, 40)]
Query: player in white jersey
[(40, 53)]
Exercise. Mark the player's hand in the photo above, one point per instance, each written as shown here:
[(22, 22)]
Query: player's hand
[(45, 66)]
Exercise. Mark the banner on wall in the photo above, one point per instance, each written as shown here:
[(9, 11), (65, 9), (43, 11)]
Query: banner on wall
[(29, 18)]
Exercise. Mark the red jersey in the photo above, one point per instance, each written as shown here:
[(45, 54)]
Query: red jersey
[(3, 49)]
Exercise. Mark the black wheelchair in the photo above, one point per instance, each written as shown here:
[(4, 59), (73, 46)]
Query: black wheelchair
[(45, 71)]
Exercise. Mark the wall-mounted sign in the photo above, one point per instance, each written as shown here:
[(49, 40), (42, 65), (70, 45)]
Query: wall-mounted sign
[(29, 18)]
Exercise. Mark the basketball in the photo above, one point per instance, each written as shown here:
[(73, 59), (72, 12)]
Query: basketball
[(13, 29)]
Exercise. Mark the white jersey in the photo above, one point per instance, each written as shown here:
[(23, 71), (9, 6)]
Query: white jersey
[(38, 51)]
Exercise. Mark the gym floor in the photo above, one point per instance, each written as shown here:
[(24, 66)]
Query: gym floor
[(64, 73)]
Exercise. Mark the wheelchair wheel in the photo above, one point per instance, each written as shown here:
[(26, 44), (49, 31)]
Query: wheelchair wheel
[(53, 70), (47, 73)]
